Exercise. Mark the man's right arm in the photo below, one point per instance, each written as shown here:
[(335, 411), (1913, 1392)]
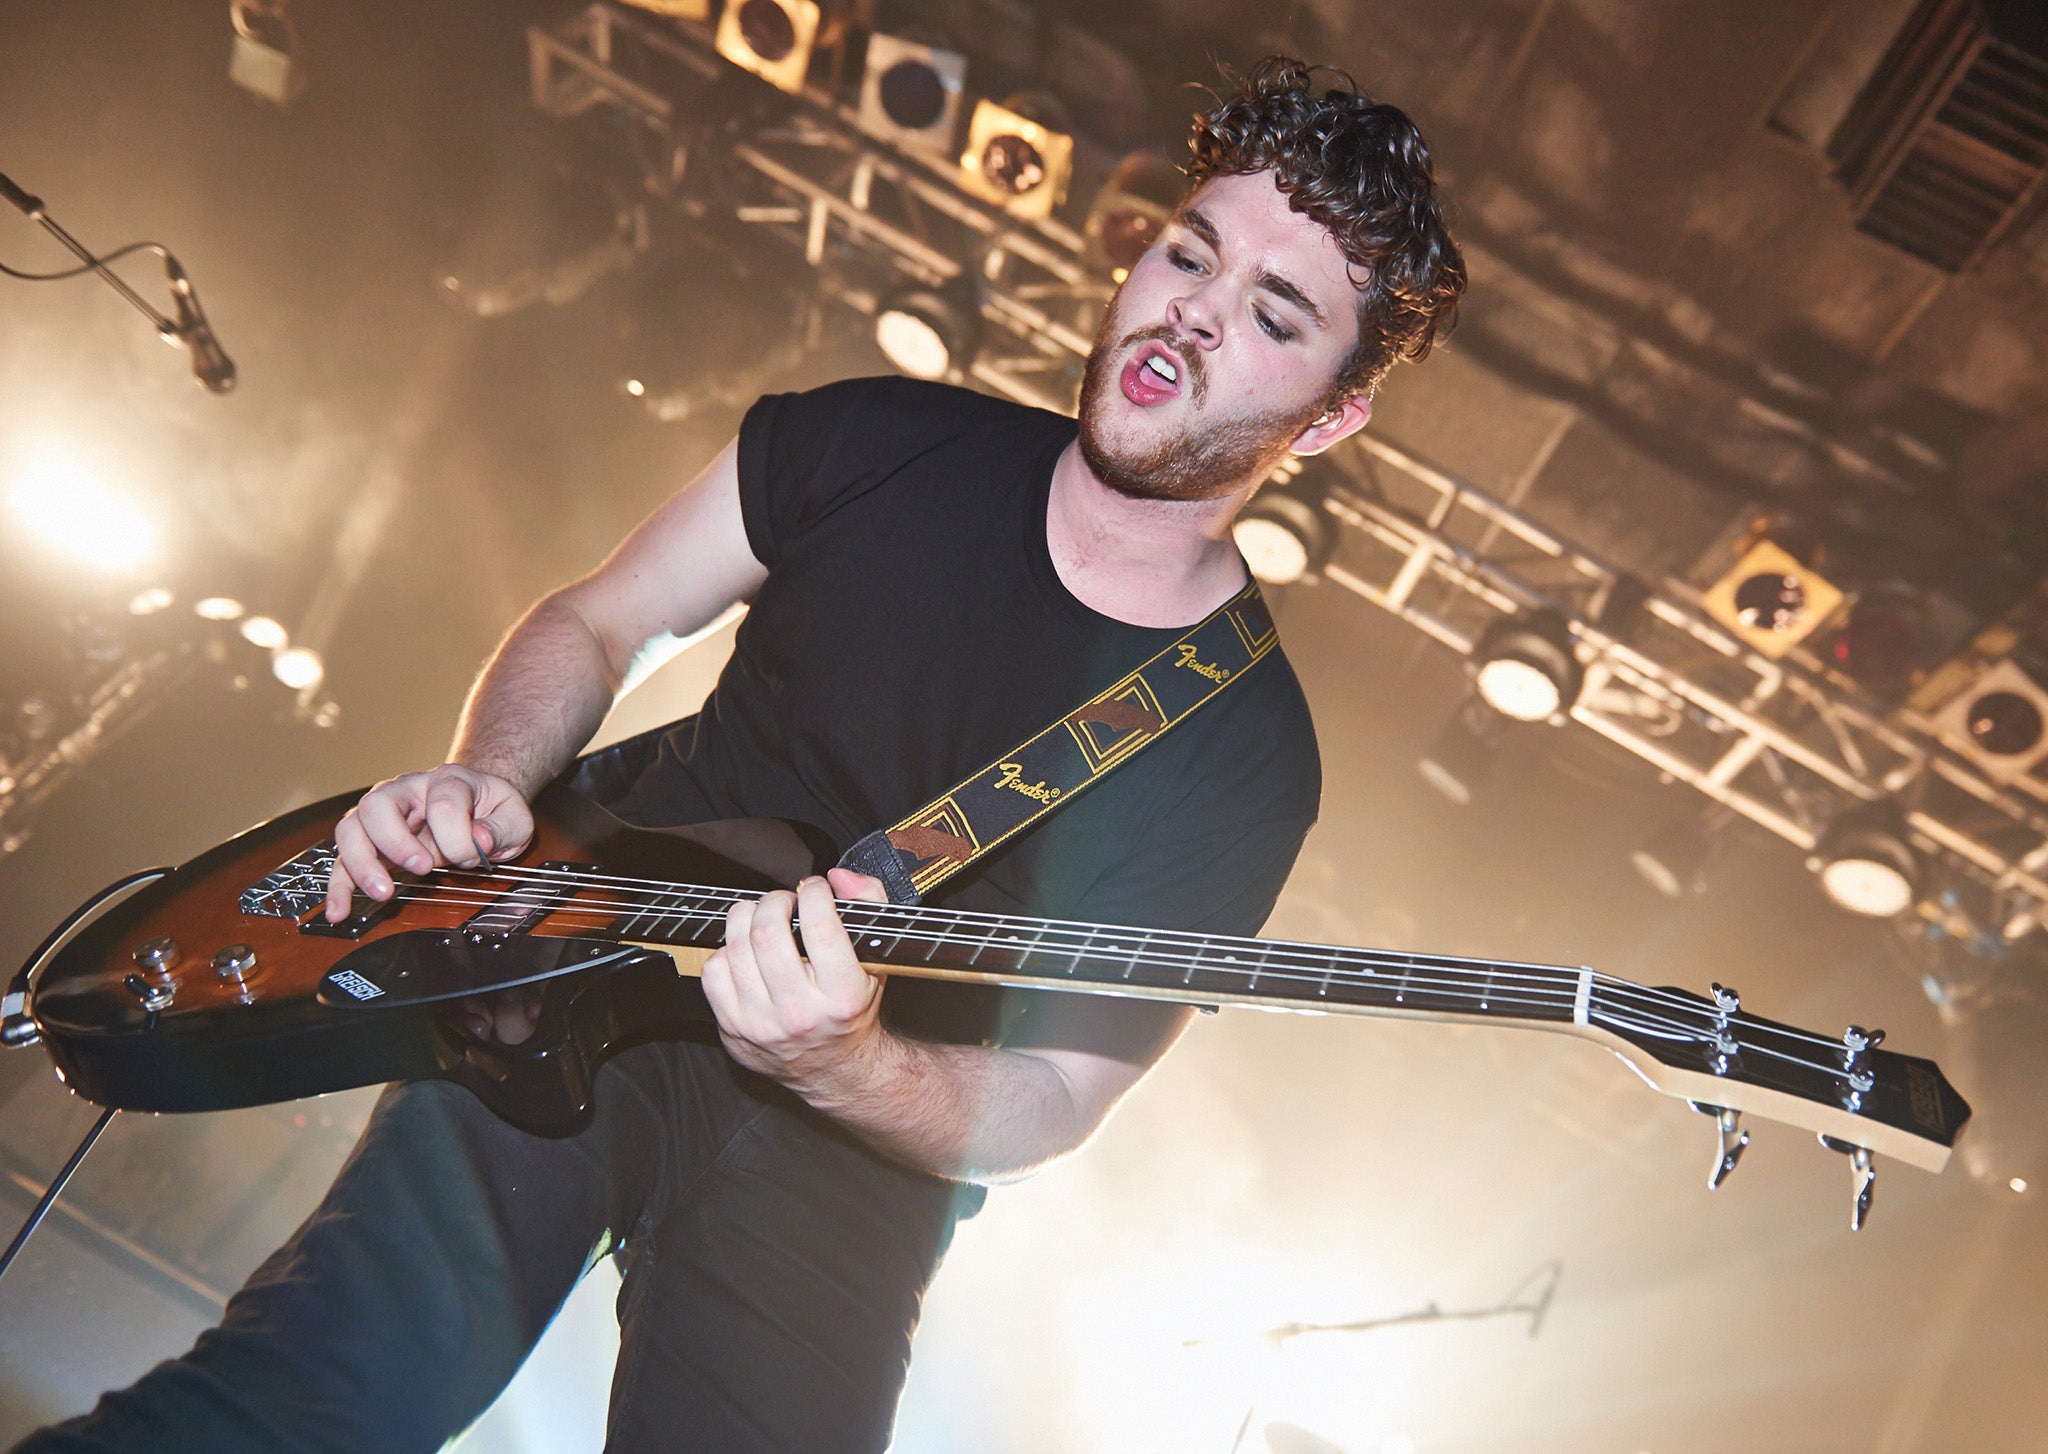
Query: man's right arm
[(547, 688)]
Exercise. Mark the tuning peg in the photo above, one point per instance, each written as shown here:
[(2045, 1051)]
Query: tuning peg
[(1726, 1049), (1862, 1178), (1857, 1080), (1734, 1141)]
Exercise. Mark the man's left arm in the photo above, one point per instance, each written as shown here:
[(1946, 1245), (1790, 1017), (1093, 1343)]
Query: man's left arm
[(810, 1020)]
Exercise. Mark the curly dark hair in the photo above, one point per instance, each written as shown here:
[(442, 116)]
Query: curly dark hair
[(1361, 170)]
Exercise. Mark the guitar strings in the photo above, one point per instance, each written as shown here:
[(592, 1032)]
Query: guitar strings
[(1415, 978), (1620, 988)]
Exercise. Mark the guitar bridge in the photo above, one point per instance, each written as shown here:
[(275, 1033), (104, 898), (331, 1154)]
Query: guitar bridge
[(293, 889)]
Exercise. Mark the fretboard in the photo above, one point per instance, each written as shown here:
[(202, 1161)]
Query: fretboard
[(1202, 968)]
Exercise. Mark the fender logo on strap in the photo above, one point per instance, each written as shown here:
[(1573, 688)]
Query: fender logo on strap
[(1052, 767), (1199, 667)]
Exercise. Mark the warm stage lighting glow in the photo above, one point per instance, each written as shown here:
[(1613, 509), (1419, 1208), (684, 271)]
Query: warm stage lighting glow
[(2018, 1183), (69, 510), (149, 602), (264, 633), (217, 608), (298, 667)]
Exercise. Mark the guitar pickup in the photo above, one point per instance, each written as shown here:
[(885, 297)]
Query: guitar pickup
[(364, 914), (524, 907)]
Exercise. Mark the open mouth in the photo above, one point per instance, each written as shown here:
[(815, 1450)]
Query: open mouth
[(1152, 376)]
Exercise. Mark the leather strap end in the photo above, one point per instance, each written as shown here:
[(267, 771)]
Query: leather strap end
[(877, 857)]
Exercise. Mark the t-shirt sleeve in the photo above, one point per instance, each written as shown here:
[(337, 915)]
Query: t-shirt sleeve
[(804, 456)]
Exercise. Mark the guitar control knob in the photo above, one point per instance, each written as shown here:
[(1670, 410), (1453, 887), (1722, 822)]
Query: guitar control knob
[(154, 997), (236, 962), (158, 956)]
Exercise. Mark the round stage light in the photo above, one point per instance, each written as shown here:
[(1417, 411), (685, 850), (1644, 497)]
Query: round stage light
[(2004, 723), (1283, 539), (264, 633), (217, 608), (1527, 668), (912, 343), (149, 602), (1770, 601), (1865, 863), (298, 667), (912, 95), (928, 333), (1011, 164), (767, 29)]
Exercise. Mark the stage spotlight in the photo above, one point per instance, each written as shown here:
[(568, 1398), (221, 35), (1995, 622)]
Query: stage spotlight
[(1674, 859), (1770, 600), (217, 608), (2000, 722), (264, 633), (771, 38), (1460, 759), (929, 333), (70, 511), (1128, 213), (910, 93), (149, 602), (1016, 162), (1865, 862), (1283, 538), (1526, 668), (298, 667)]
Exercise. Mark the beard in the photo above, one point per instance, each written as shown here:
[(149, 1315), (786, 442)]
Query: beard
[(1196, 461)]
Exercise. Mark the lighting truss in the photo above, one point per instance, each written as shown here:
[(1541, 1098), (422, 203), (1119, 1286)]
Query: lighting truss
[(868, 216), (1787, 744)]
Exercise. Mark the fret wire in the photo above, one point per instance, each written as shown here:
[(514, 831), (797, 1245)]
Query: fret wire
[(1131, 963)]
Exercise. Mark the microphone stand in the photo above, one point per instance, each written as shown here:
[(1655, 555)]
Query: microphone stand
[(190, 328)]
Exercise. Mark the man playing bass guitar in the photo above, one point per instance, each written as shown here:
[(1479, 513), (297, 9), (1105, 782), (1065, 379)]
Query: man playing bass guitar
[(932, 576)]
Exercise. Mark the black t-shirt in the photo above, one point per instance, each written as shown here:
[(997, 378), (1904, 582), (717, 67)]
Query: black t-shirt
[(912, 627)]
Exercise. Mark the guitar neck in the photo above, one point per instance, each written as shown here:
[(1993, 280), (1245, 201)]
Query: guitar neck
[(1008, 949)]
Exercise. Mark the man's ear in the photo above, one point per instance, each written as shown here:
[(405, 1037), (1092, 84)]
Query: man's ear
[(1340, 421)]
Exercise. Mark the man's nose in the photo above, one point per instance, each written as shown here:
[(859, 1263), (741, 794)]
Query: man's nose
[(1193, 314)]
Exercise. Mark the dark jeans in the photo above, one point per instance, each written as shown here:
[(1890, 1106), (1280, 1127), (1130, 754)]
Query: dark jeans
[(772, 1267)]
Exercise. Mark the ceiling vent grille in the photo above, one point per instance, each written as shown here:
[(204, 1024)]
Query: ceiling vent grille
[(1947, 143)]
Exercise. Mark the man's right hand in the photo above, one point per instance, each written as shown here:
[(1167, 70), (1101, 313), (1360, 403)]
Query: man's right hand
[(421, 821)]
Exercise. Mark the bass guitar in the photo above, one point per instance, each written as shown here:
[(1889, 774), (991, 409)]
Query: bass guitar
[(221, 984)]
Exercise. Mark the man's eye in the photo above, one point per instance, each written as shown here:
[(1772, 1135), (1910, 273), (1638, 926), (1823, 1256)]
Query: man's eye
[(1185, 261), (1273, 328)]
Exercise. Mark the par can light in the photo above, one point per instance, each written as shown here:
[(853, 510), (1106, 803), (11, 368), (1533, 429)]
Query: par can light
[(1865, 862), (1526, 667)]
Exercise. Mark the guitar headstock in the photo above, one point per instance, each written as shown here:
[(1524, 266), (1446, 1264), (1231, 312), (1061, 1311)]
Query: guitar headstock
[(1861, 1099)]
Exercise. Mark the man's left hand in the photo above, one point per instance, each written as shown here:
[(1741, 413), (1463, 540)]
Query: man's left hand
[(799, 1016)]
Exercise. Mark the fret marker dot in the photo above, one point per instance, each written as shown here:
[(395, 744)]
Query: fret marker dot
[(873, 942)]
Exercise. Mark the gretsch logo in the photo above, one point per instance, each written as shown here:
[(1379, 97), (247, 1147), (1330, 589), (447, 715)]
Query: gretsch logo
[(1925, 1092), (1011, 775), (351, 982), (1189, 660)]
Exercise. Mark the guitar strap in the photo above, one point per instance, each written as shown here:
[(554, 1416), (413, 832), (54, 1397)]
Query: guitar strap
[(994, 804)]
